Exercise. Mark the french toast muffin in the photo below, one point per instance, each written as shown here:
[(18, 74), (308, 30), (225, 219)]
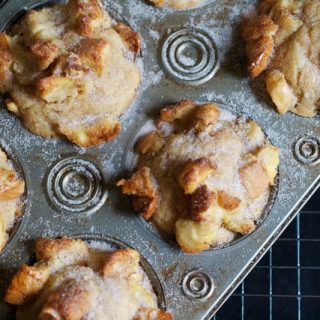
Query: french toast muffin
[(11, 190), (73, 280), (178, 4), (203, 175), (69, 71), (282, 41)]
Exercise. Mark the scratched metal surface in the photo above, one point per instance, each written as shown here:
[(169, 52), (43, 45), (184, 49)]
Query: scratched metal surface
[(215, 26)]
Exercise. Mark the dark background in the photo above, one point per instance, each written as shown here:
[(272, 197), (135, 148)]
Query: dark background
[(285, 285)]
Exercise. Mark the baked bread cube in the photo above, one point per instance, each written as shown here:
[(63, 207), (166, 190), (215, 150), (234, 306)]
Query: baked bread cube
[(143, 191), (12, 188), (194, 174), (73, 280), (204, 176), (150, 143), (121, 263), (282, 38), (53, 255), (177, 4), (254, 178), (6, 60), (177, 111), (93, 52), (268, 156), (68, 71), (55, 89), (194, 237)]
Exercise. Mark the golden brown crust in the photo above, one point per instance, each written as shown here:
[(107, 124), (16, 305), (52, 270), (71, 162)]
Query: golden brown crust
[(92, 52), (158, 3), (58, 286), (14, 192), (258, 54), (227, 201), (254, 179), (206, 115), (10, 187), (64, 66), (11, 190), (139, 184), (280, 92), (56, 88), (265, 6), (150, 143), (152, 314), (26, 283), (194, 237), (6, 60), (194, 174), (142, 188), (70, 301), (177, 4), (70, 65), (45, 52), (242, 226), (121, 263), (7, 177), (3, 235), (47, 249), (289, 30), (258, 27), (130, 37), (52, 255), (87, 15), (177, 111), (210, 198), (269, 157), (201, 201), (145, 205), (90, 135), (258, 34)]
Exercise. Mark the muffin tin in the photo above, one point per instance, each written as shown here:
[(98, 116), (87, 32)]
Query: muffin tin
[(71, 191)]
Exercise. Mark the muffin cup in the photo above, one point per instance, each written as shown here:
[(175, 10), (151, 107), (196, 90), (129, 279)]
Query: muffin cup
[(194, 286)]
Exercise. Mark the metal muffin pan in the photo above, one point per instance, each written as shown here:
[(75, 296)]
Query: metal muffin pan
[(194, 286)]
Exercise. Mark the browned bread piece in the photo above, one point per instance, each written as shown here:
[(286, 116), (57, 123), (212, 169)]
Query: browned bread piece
[(202, 176), (152, 314), (142, 190), (66, 282), (178, 4), (52, 255), (131, 38), (283, 40), (6, 60), (12, 188), (68, 71), (121, 263)]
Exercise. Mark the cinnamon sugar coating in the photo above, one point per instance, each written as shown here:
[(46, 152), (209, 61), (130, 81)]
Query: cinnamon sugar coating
[(70, 71), (11, 190), (211, 175), (73, 281), (282, 41), (178, 4)]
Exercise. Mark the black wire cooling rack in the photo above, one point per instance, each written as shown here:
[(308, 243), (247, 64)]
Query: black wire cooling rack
[(285, 285)]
